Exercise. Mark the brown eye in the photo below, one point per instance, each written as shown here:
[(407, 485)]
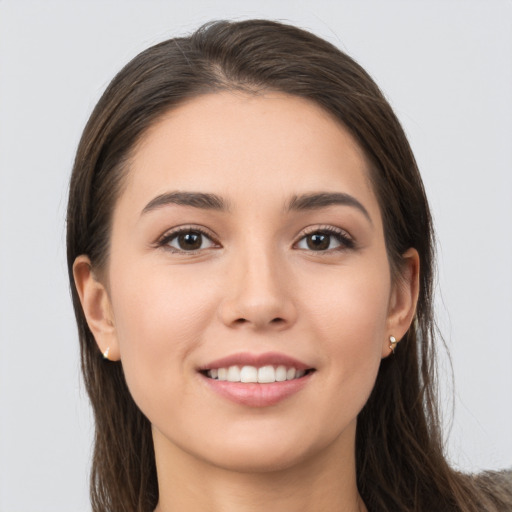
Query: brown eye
[(326, 240), (189, 240), (318, 242)]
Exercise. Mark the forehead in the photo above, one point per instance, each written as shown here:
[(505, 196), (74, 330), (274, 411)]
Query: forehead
[(245, 146)]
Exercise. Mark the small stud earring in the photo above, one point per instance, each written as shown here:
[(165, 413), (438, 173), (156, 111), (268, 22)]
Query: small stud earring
[(105, 354), (393, 342)]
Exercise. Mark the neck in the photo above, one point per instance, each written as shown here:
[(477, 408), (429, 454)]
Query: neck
[(323, 483)]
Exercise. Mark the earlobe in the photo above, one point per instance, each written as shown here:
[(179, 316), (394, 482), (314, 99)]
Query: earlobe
[(97, 307), (403, 300)]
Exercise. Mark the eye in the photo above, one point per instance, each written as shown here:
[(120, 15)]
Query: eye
[(187, 240), (322, 240)]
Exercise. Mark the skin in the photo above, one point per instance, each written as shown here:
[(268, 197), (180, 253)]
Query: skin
[(256, 287)]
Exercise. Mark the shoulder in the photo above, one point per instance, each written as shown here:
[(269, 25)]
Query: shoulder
[(496, 486)]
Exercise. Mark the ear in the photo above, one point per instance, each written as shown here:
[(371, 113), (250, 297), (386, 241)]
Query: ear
[(403, 299), (97, 307)]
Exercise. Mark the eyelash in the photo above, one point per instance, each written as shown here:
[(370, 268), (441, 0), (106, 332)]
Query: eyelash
[(165, 240), (342, 237)]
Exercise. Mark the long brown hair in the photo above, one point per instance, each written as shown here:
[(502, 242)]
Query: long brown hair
[(399, 448)]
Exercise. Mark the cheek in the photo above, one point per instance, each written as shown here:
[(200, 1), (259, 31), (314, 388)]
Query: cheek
[(159, 317), (351, 305), (350, 320)]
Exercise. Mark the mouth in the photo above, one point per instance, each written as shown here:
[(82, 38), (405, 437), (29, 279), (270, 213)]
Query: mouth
[(267, 374), (256, 380)]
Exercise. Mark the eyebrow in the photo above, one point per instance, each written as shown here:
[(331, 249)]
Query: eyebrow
[(302, 202), (194, 199), (324, 199)]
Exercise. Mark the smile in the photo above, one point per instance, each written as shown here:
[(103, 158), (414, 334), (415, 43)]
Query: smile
[(251, 374), (256, 380)]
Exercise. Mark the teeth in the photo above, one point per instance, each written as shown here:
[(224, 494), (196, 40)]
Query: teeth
[(249, 374), (263, 375), (281, 373), (233, 374), (266, 374)]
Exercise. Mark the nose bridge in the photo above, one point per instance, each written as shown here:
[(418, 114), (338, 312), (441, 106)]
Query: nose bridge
[(259, 274), (256, 293)]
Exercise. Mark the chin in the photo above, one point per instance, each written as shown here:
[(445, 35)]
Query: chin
[(259, 460), (264, 453)]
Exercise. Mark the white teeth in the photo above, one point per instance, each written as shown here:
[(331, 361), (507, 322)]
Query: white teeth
[(233, 374), (263, 375), (266, 374), (281, 373), (249, 374)]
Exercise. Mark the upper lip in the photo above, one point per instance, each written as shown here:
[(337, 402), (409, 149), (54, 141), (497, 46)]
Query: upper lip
[(257, 360)]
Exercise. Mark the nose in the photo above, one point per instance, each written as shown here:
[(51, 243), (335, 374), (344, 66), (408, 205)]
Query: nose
[(258, 293)]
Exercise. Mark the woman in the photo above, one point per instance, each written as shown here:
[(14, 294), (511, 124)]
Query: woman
[(250, 249)]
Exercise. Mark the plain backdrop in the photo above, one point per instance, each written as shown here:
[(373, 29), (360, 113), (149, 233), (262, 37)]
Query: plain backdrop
[(445, 66)]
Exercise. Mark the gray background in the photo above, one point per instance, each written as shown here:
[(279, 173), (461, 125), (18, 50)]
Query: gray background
[(446, 67)]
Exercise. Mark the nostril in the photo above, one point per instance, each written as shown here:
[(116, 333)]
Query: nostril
[(275, 321)]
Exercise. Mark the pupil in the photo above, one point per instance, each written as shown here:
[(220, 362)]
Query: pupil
[(190, 241), (318, 242)]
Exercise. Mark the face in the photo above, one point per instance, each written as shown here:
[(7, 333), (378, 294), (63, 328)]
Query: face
[(248, 236)]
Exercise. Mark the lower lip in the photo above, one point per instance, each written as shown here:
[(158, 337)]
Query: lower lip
[(254, 394)]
